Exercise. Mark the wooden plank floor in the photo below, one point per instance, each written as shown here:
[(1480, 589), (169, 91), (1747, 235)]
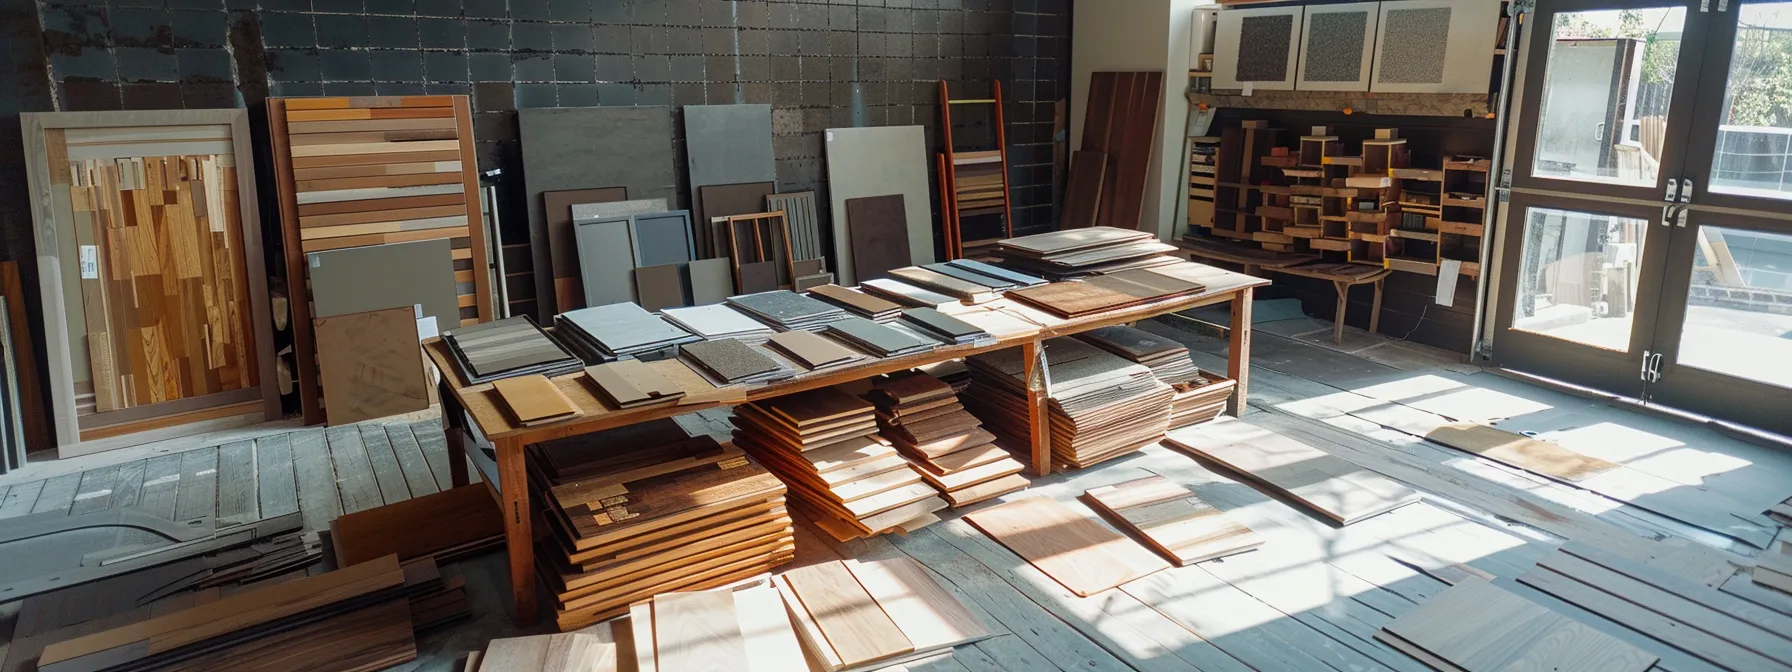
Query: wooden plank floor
[(1310, 599)]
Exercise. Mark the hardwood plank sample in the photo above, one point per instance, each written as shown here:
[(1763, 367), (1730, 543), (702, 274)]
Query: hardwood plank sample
[(534, 399), (698, 632), (1479, 627), (874, 162), (878, 227), (770, 640), (1520, 451), (567, 652), (855, 626), (1082, 196), (1072, 548), (1172, 520), (418, 527), (371, 365), (927, 615), (1331, 486)]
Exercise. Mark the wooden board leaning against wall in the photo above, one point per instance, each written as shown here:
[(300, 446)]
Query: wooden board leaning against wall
[(154, 292), (372, 170)]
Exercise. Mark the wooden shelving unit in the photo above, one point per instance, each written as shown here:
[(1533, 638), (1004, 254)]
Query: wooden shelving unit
[(1202, 164)]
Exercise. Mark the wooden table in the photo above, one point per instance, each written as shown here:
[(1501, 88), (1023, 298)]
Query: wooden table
[(473, 413), (1342, 276)]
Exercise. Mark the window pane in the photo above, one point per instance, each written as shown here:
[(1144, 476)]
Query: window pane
[(1606, 91), (1754, 140), (1578, 276), (1739, 308)]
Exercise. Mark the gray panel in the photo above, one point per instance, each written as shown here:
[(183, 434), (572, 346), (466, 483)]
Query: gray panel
[(876, 162), (729, 144), (586, 148), (805, 231), (663, 238), (712, 281), (1263, 43), (360, 279), (1416, 48), (606, 260), (1335, 43)]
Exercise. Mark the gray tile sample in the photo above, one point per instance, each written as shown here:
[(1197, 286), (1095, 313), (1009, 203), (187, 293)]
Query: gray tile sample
[(787, 308), (377, 277), (1416, 47), (905, 294), (994, 271), (712, 281), (873, 162), (1334, 46), (618, 208), (729, 144), (718, 321), (590, 147), (663, 238), (624, 328), (606, 259), (1263, 48), (878, 339)]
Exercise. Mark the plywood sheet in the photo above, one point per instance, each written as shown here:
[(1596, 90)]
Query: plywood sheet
[(1122, 123), (928, 616), (627, 147), (875, 162), (417, 527), (1082, 196), (377, 277), (1071, 547), (371, 365)]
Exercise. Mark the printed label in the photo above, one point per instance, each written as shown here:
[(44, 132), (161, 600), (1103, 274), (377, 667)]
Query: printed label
[(90, 262)]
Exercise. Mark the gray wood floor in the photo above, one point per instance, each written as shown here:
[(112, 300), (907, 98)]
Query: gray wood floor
[(1310, 599)]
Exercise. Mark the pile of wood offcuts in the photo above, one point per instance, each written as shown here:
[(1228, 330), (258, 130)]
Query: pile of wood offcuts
[(1102, 406), (824, 445), (922, 417), (647, 509)]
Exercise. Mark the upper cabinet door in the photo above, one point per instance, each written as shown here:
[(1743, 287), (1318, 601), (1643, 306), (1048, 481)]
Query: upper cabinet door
[(1257, 48), (1435, 46), (1336, 45)]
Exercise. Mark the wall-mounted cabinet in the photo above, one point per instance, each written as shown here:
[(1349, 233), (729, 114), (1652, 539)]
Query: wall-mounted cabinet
[(1256, 48), (1405, 46)]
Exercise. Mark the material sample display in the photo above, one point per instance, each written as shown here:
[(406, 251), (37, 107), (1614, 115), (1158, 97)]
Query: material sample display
[(371, 365), (1337, 45), (1257, 47), (1434, 46)]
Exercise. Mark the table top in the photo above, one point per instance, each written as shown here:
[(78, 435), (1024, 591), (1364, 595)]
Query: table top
[(1011, 322)]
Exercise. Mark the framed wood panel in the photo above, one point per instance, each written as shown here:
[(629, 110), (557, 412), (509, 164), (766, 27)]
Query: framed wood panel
[(1257, 48), (154, 291), (372, 170), (1434, 46)]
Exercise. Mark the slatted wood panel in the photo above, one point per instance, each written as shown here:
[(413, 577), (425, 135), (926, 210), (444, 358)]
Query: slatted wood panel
[(372, 170), (153, 288), (1122, 124)]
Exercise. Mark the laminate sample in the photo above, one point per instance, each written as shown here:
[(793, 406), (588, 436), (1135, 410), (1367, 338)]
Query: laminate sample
[(377, 277), (606, 259), (661, 287), (906, 294), (712, 281), (511, 346), (928, 616), (533, 400), (1072, 548), (874, 162), (859, 303), (1336, 47), (371, 365), (718, 321), (1082, 196), (1257, 46), (563, 247), (1433, 46), (731, 361), (1520, 451), (630, 382), (812, 351), (663, 238), (629, 147), (1172, 520), (1480, 627), (568, 652), (855, 626), (1331, 486), (878, 227)]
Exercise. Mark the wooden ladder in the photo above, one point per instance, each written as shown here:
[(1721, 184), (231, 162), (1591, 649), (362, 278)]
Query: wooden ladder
[(976, 195)]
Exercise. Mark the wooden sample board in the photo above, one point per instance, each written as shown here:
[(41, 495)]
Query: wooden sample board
[(1083, 193), (1476, 626), (1520, 451), (153, 288), (534, 399), (742, 630), (371, 365), (360, 171), (417, 527), (875, 162), (1329, 485), (878, 227), (1069, 546), (1172, 520), (1121, 123), (568, 652), (628, 147), (855, 627)]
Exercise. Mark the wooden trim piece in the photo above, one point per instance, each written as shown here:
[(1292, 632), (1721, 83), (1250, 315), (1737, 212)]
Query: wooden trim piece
[(321, 233), (304, 345), (367, 101), (310, 127), (376, 170), (475, 219), (415, 180), (353, 114), (374, 148), (377, 216), (381, 239), (215, 413), (379, 204), (352, 137), (370, 159)]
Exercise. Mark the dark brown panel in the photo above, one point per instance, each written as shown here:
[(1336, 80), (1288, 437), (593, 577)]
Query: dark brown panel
[(1082, 196), (879, 229)]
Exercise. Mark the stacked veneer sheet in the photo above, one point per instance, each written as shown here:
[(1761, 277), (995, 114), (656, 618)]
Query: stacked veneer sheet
[(964, 290), (787, 311), (879, 339), (1200, 396), (506, 348), (534, 400), (945, 327), (1102, 406), (921, 416), (992, 272), (1079, 252), (906, 294), (742, 628), (1100, 293), (873, 614), (814, 352), (730, 362), (858, 303), (638, 511), (824, 445), (620, 331), (716, 322)]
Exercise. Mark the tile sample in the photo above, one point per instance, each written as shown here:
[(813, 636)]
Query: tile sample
[(663, 238), (1256, 47), (397, 275), (371, 365), (1434, 46), (874, 162), (1336, 47)]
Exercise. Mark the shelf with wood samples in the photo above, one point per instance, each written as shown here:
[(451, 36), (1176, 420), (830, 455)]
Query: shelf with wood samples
[(476, 421)]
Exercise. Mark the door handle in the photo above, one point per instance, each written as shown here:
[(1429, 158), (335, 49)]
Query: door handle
[(1599, 132), (1686, 190)]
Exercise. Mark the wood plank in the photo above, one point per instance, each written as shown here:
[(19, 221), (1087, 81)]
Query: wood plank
[(353, 471), (338, 103), (383, 205), (374, 148), (365, 113), (58, 494), (360, 126), (1232, 620), (855, 626), (381, 239), (382, 216), (415, 180), (161, 485), (95, 490), (375, 194), (276, 487), (698, 631), (376, 170), (1748, 634), (198, 494), (417, 527), (417, 474), (770, 641), (1656, 626), (1075, 549), (386, 471), (371, 136), (319, 501), (1329, 485), (370, 365), (129, 488), (435, 449), (1520, 451), (1172, 520), (237, 501), (1718, 600), (924, 612), (1479, 626), (301, 163)]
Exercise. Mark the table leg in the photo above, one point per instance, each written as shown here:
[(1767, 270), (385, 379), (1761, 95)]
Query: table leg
[(1375, 311), (1038, 415), (513, 490), (1343, 307), (454, 430), (1238, 352)]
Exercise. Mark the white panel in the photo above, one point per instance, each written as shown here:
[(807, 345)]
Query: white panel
[(879, 161), (1409, 57)]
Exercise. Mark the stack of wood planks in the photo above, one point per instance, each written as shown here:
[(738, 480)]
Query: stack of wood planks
[(1102, 406), (744, 629), (648, 509), (922, 417), (1200, 395), (446, 527), (1081, 252), (855, 614), (824, 444), (1477, 626)]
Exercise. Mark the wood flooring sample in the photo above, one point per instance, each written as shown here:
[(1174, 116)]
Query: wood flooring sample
[(1520, 451), (1072, 548), (534, 399), (549, 653), (1479, 627), (855, 626), (929, 616), (765, 626), (1332, 486), (372, 365), (697, 632), (1172, 520)]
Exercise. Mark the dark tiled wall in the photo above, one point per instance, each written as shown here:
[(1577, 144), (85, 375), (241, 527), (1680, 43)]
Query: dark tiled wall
[(820, 64)]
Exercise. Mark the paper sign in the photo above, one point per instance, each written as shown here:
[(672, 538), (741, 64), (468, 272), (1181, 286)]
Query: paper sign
[(90, 262), (1446, 281)]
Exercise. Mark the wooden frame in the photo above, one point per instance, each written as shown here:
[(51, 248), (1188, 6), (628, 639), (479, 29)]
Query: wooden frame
[(58, 261)]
